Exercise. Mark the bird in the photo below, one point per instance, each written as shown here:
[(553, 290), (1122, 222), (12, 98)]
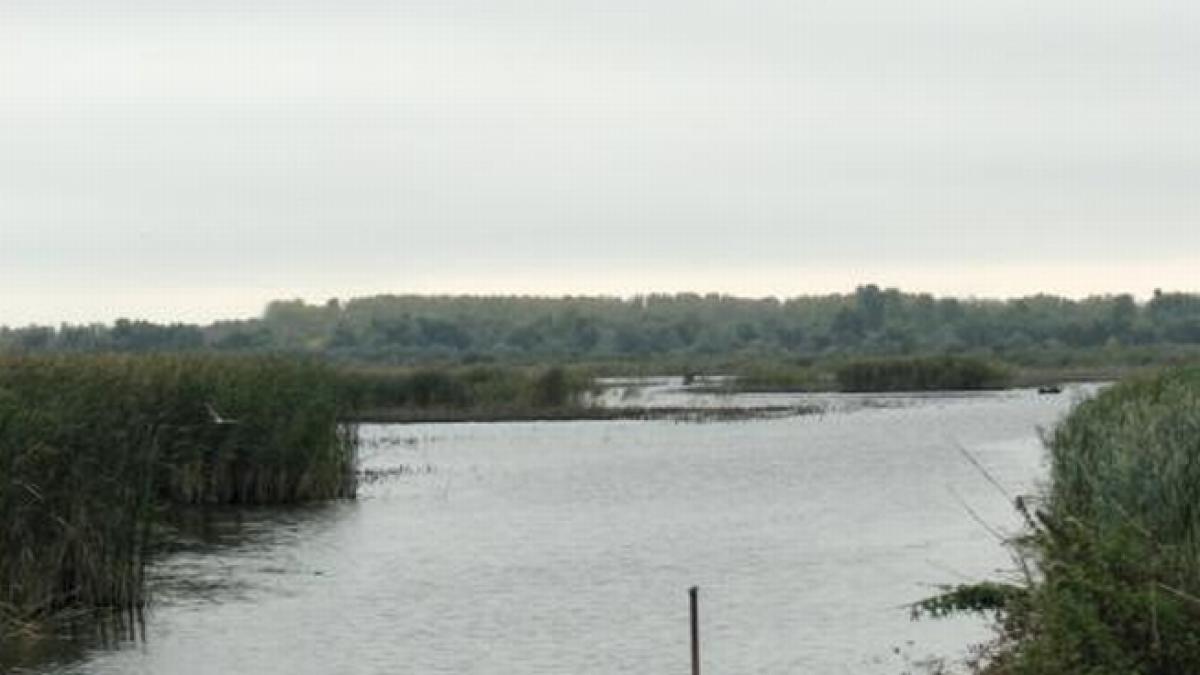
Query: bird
[(216, 416)]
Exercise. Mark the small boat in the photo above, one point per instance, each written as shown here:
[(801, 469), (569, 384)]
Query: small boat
[(1050, 389)]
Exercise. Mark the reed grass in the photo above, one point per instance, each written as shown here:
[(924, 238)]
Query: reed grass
[(920, 374), (93, 449), (1114, 547), (1119, 542), (482, 392), (782, 377)]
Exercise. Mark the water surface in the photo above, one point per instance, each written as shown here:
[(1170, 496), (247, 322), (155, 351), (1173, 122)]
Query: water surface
[(567, 547)]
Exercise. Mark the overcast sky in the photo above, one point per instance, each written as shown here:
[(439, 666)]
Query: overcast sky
[(192, 160)]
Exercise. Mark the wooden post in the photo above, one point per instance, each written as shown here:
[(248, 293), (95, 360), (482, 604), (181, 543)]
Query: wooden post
[(694, 594)]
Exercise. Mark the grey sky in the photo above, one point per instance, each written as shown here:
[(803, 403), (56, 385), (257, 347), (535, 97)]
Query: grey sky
[(191, 160)]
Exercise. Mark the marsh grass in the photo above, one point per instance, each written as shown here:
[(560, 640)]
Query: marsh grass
[(931, 373), (875, 375), (782, 377), (1115, 545), (483, 392), (94, 449)]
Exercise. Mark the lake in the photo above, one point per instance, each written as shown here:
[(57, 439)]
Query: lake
[(567, 548)]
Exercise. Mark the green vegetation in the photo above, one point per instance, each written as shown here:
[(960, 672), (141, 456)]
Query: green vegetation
[(879, 374), (797, 344), (1114, 552), (94, 449), (674, 332), (783, 377), (920, 374), (475, 392)]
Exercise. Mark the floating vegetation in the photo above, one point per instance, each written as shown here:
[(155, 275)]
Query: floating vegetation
[(94, 449), (370, 476), (392, 440)]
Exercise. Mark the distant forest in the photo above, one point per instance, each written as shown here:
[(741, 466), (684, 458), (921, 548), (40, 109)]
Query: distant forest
[(681, 328)]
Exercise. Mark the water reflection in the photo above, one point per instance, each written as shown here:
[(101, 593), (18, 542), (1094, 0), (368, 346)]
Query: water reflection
[(233, 554), (208, 557), (68, 641)]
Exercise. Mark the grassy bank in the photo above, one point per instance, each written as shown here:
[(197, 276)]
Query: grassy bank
[(93, 449), (1114, 546)]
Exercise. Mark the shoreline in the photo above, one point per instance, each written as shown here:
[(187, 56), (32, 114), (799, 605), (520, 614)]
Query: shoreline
[(581, 414), (687, 413), (1021, 379)]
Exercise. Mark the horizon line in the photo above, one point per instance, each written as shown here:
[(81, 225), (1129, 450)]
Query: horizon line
[(312, 300)]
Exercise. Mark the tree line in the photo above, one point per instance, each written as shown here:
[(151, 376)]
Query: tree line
[(871, 321)]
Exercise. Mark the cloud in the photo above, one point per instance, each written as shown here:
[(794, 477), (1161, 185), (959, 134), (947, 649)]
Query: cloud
[(303, 144)]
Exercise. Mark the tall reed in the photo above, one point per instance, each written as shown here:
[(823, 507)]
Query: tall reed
[(477, 389), (93, 448), (1113, 547), (1120, 542), (920, 374)]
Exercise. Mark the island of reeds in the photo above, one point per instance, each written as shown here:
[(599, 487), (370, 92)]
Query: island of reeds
[(1110, 561), (474, 393), (95, 449)]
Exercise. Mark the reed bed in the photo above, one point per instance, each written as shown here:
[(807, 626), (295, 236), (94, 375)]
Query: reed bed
[(1119, 541), (470, 393), (1112, 551), (93, 449), (920, 374)]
